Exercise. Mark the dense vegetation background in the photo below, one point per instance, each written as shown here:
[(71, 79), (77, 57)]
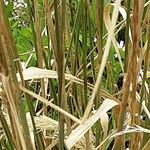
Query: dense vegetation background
[(75, 74)]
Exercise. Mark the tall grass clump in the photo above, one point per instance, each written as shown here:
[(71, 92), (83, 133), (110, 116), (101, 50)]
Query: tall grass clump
[(75, 74)]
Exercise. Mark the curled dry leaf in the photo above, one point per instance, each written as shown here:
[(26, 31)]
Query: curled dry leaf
[(37, 73), (79, 132)]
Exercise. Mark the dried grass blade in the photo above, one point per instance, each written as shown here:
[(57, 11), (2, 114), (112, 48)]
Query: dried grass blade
[(107, 21), (37, 73), (83, 128), (104, 59), (48, 103)]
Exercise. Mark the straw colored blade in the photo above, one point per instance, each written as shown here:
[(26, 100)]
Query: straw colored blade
[(79, 132)]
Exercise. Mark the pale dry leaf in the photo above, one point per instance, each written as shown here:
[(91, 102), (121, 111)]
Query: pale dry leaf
[(79, 132), (42, 122), (131, 129), (104, 58), (122, 11), (104, 123), (107, 21), (148, 74), (81, 144), (48, 103), (146, 109), (37, 73), (147, 3), (138, 97), (142, 129)]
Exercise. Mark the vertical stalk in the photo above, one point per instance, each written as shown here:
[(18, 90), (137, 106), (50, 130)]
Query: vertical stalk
[(130, 78), (127, 39), (35, 26), (11, 86), (30, 11), (50, 36), (135, 49), (99, 27), (84, 61), (74, 30), (60, 39), (84, 38)]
